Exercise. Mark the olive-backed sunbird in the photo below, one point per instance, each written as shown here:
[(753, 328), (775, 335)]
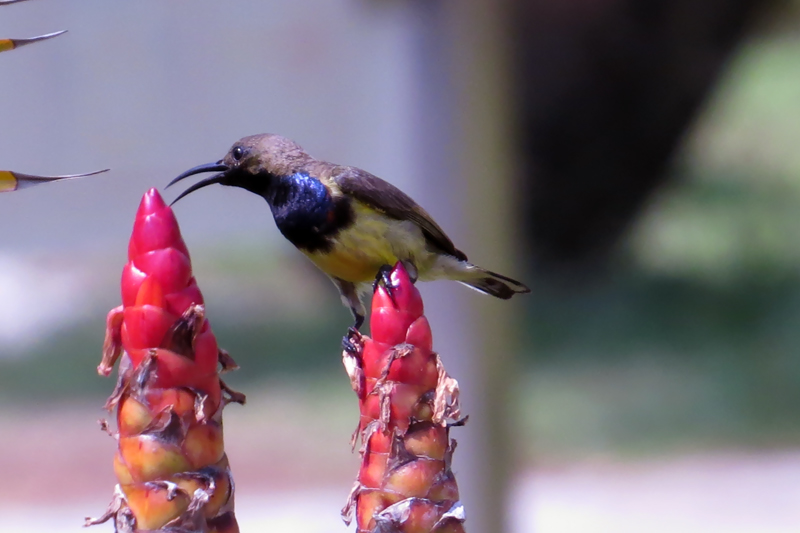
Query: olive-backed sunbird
[(350, 223)]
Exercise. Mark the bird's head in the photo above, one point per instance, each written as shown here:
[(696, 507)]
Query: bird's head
[(252, 163)]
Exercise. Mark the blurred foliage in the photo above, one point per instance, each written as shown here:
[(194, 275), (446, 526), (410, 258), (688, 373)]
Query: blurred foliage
[(645, 363), (731, 213), (692, 341)]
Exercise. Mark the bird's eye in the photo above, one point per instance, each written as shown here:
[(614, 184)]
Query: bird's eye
[(238, 153)]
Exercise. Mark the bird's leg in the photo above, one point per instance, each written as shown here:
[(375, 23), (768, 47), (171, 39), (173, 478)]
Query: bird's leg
[(352, 341), (350, 298)]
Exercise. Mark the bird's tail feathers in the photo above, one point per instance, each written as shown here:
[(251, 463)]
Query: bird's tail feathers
[(496, 285)]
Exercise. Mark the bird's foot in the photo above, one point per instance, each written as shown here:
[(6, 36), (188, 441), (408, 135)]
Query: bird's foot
[(353, 342), (385, 276)]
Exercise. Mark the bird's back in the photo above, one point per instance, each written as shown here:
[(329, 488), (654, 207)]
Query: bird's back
[(384, 197)]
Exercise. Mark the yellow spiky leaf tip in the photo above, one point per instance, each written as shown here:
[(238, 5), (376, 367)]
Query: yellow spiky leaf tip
[(14, 181)]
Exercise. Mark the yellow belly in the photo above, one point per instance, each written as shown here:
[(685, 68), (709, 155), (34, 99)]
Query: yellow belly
[(348, 266), (373, 241)]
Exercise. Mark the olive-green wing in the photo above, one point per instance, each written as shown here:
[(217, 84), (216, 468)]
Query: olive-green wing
[(385, 197)]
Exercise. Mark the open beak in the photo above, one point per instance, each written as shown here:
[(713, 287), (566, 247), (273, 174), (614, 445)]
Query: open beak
[(209, 167), (14, 181)]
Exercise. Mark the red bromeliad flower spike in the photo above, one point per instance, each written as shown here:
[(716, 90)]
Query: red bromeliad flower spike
[(171, 464), (408, 404)]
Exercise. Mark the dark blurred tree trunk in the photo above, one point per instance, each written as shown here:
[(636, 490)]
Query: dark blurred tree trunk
[(606, 90)]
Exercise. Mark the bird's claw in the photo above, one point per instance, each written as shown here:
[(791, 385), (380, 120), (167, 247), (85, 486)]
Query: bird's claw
[(353, 341), (385, 276)]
